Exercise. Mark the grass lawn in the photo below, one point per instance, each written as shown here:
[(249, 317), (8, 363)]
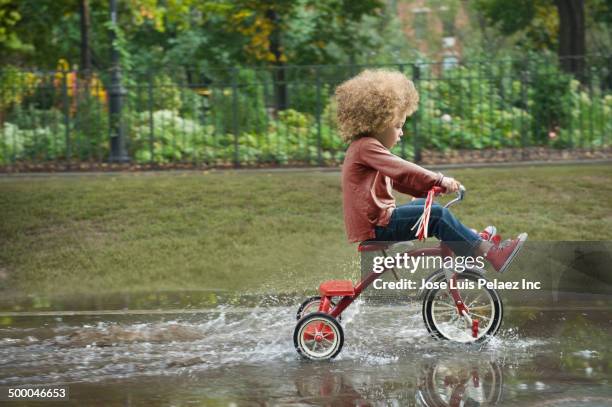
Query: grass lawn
[(247, 231)]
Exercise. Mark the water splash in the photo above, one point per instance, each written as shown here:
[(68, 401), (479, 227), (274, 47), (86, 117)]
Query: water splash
[(79, 349)]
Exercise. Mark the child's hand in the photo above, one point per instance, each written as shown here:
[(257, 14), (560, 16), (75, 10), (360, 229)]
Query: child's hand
[(450, 184)]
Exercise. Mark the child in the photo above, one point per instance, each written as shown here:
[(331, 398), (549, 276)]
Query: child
[(372, 110)]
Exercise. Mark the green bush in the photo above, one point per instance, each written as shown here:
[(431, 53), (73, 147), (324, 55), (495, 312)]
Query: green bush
[(472, 108), (248, 109), (90, 125), (548, 90), (37, 144), (166, 94), (303, 96), (588, 120), (40, 135), (11, 143), (291, 138), (173, 138), (15, 86), (27, 117)]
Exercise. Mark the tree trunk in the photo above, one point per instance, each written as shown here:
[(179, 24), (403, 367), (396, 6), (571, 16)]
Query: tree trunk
[(571, 36), (280, 86), (85, 49)]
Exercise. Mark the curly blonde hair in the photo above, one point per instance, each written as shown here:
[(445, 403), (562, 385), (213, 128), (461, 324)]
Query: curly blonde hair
[(370, 102)]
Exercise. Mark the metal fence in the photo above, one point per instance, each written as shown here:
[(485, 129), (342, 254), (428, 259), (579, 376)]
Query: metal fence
[(503, 110)]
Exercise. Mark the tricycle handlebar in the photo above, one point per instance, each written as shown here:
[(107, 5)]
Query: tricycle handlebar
[(460, 196)]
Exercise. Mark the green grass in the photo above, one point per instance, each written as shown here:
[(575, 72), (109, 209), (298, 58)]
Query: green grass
[(247, 231)]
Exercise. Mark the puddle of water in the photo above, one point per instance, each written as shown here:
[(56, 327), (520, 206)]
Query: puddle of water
[(244, 355)]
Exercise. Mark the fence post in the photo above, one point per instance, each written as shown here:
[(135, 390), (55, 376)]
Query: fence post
[(77, 121), (416, 75), (15, 90), (235, 116), (591, 94), (116, 94), (608, 79), (4, 140), (319, 152), (524, 102), (66, 107), (605, 83), (150, 107)]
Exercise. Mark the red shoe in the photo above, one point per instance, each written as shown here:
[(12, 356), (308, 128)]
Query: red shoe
[(501, 256), (490, 235)]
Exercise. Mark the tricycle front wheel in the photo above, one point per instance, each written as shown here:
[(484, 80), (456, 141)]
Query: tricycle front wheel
[(443, 320)]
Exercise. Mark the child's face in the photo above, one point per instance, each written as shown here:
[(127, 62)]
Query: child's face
[(391, 135)]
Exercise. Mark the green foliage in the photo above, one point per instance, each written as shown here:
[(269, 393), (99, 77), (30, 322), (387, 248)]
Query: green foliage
[(472, 106), (29, 118), (509, 19), (291, 132), (89, 125), (15, 85), (324, 32), (40, 135), (547, 101), (471, 109), (292, 138), (530, 24), (588, 121), (248, 101), (49, 30), (33, 144), (9, 17), (121, 44), (171, 139), (187, 33), (303, 96), (166, 94)]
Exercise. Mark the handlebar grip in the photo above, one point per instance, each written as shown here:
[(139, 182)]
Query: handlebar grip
[(460, 196), (461, 192)]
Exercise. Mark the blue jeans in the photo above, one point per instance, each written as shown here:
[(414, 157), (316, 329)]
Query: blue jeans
[(442, 224)]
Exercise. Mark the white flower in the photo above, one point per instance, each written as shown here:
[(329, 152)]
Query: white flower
[(446, 117)]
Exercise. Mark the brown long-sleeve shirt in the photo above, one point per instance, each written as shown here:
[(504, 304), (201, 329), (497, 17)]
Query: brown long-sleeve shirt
[(369, 173)]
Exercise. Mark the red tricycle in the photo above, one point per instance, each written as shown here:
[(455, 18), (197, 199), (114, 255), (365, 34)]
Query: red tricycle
[(463, 312)]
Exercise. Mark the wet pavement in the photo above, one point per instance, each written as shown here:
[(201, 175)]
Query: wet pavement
[(240, 354)]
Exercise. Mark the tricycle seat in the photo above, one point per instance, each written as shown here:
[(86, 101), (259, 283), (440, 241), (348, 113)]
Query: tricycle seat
[(335, 288)]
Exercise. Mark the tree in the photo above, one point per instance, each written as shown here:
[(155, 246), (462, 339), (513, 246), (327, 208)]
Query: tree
[(542, 28), (533, 23), (307, 26), (85, 43), (571, 36), (9, 37)]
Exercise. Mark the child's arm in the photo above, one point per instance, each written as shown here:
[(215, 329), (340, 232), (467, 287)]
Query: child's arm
[(408, 191), (449, 184), (408, 178)]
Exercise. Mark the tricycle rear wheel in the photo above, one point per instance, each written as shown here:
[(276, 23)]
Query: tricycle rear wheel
[(318, 336), (311, 305)]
